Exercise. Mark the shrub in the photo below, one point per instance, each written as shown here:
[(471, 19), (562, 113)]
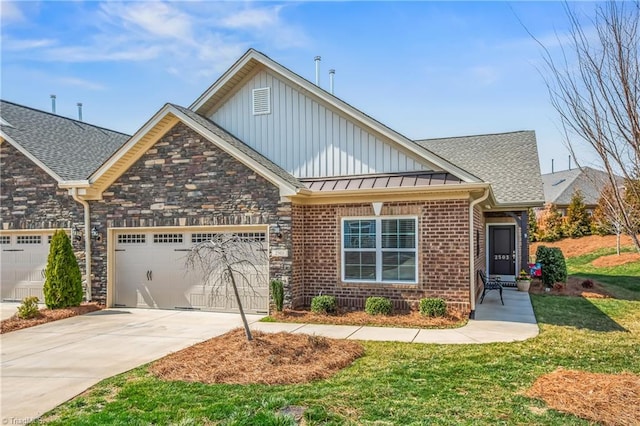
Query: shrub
[(433, 307), (554, 267), (378, 306), (277, 293), (324, 304), (63, 281), (29, 308), (587, 284)]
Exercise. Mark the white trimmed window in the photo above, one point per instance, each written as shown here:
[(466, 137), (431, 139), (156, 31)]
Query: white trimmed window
[(381, 250)]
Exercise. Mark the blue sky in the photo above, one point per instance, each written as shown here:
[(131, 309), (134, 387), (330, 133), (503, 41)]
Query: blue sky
[(425, 69)]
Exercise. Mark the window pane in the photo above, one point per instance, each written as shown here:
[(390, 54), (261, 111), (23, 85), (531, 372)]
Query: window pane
[(360, 265), (359, 234), (398, 233), (398, 266)]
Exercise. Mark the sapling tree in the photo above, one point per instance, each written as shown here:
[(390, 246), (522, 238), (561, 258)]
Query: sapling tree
[(228, 259)]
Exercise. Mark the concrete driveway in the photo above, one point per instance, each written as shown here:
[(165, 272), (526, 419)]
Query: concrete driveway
[(44, 366)]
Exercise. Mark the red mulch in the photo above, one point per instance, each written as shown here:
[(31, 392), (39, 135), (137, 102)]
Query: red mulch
[(616, 260), (573, 287), (46, 315), (572, 247), (278, 358), (410, 319), (610, 399)]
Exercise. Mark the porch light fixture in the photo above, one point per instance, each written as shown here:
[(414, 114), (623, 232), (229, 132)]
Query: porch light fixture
[(77, 233), (95, 235), (277, 230)]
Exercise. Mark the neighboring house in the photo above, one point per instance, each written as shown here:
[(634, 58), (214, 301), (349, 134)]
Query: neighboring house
[(343, 204), (559, 187), (42, 155)]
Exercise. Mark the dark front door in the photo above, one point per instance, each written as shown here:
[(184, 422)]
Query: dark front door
[(502, 250)]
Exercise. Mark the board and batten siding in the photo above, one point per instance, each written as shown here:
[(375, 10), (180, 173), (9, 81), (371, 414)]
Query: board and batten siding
[(306, 138)]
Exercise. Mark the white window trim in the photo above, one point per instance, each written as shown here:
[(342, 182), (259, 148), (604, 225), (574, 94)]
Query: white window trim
[(378, 250)]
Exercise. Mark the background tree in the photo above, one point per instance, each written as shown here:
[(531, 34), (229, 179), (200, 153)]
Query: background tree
[(595, 87), (578, 220), (63, 280), (551, 224), (226, 260)]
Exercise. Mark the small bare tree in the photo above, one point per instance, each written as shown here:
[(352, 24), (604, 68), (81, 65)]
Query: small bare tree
[(595, 88), (229, 259), (606, 217)]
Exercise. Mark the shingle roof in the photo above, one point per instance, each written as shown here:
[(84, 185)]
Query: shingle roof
[(508, 161), (560, 186), (241, 146), (71, 149)]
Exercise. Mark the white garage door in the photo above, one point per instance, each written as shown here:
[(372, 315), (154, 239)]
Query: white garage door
[(151, 272), (24, 259)]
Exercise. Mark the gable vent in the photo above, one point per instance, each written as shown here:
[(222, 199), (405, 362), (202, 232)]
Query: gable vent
[(262, 101)]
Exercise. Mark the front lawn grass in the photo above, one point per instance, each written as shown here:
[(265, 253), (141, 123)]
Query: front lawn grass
[(402, 383), (623, 281)]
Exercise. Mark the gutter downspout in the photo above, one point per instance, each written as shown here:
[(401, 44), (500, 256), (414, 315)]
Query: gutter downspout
[(472, 266), (87, 241)]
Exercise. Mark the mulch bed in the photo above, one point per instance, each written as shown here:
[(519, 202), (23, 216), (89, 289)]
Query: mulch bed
[(410, 319), (271, 358), (610, 399), (573, 287), (616, 260), (46, 315)]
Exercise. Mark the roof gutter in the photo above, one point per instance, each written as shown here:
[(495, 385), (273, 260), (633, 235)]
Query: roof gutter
[(472, 266), (87, 242)]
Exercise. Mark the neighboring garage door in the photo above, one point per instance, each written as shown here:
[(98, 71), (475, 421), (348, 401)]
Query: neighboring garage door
[(24, 259), (151, 272)]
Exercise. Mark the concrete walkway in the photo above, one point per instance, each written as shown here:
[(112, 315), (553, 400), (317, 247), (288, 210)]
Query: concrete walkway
[(44, 366), (493, 323)]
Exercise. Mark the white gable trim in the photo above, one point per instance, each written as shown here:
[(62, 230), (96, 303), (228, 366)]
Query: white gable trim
[(286, 189), (27, 154), (335, 103)]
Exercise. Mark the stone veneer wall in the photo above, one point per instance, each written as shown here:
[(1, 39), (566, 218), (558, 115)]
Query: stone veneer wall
[(186, 180), (31, 199), (443, 255)]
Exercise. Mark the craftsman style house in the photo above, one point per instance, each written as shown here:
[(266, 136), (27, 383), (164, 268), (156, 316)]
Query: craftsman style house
[(341, 204)]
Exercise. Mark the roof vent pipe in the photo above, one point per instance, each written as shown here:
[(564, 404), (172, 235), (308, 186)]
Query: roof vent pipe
[(569, 162), (79, 111), (552, 165), (332, 74), (53, 104), (317, 59)]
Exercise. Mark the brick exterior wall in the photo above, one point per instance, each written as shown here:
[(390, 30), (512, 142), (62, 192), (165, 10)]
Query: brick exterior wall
[(443, 259), (480, 250), (186, 180)]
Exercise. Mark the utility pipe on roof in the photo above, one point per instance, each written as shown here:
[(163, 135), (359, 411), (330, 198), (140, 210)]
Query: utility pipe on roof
[(472, 266), (87, 241), (317, 60)]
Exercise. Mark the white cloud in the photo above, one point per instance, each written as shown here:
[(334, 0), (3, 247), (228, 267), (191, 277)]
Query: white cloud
[(153, 18), (484, 75), (79, 82), (187, 39), (10, 12), (253, 18), (10, 44)]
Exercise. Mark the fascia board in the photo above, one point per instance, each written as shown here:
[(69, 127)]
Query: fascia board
[(130, 143), (338, 104)]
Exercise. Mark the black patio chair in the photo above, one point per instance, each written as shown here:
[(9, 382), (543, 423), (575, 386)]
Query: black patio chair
[(490, 285)]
